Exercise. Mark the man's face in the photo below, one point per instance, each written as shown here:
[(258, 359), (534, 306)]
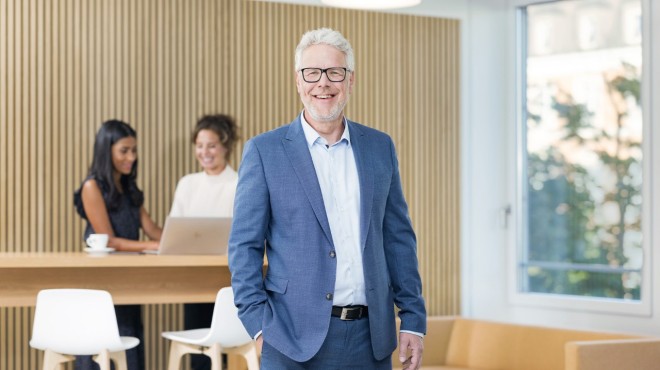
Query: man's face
[(324, 100)]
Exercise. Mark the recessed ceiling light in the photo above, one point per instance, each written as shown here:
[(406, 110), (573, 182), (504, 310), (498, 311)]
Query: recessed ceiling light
[(371, 4)]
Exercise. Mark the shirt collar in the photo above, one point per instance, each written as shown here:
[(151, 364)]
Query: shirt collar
[(311, 136)]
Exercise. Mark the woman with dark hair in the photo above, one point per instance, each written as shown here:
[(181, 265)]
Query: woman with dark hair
[(111, 203), (209, 193), (109, 198)]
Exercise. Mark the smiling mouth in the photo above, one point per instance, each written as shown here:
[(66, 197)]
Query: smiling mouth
[(324, 96)]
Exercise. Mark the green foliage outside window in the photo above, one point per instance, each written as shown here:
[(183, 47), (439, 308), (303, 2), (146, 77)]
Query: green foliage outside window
[(584, 216)]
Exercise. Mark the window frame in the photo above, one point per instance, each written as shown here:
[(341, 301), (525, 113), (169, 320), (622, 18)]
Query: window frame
[(517, 297)]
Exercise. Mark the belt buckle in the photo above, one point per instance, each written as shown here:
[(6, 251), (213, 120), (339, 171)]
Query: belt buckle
[(346, 310)]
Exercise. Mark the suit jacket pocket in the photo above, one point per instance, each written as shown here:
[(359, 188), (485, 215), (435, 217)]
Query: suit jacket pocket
[(276, 284)]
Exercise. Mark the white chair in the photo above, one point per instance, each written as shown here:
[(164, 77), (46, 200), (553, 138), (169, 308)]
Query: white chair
[(226, 335), (77, 322)]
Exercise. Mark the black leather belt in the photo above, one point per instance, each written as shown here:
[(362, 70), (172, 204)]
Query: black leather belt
[(350, 312)]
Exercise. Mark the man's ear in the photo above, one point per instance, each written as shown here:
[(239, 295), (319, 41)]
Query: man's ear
[(351, 81), (296, 78)]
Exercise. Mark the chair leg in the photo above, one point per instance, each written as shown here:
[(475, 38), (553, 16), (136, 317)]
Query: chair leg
[(215, 353), (103, 359), (54, 360), (251, 357), (119, 358), (178, 350)]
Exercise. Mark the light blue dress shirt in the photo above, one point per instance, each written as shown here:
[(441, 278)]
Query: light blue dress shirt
[(340, 186)]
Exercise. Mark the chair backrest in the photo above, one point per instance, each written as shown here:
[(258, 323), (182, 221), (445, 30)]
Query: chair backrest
[(226, 328), (75, 322)]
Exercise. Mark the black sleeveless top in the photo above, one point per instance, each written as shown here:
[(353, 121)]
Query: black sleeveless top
[(124, 216)]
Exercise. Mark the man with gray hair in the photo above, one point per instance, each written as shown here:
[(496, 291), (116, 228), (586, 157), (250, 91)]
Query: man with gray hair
[(322, 198)]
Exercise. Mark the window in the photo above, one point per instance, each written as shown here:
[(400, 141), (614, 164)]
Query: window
[(581, 149)]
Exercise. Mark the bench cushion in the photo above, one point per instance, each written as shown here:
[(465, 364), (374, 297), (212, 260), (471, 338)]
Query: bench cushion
[(492, 346)]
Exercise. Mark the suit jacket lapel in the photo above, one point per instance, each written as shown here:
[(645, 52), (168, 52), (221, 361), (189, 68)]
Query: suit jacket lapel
[(296, 149), (363, 162)]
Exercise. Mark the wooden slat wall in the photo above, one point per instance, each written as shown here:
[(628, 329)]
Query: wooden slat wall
[(68, 65)]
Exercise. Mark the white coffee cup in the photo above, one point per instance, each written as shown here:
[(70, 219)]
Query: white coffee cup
[(97, 241)]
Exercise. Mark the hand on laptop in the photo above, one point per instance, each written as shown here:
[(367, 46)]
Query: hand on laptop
[(151, 245)]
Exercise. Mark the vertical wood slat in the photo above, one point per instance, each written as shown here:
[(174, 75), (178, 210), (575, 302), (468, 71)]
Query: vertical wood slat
[(4, 135), (4, 108), (67, 66), (11, 109)]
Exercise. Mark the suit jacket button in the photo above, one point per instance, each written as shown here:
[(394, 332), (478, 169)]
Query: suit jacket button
[(332, 254), (328, 296)]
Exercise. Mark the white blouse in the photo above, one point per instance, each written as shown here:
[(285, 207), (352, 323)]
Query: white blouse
[(203, 195)]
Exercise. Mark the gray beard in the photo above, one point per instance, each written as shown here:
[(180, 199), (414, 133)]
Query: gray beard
[(334, 114)]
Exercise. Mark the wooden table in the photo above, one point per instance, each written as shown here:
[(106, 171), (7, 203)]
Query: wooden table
[(130, 278)]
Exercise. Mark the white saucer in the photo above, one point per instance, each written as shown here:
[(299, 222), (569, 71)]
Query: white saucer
[(104, 250)]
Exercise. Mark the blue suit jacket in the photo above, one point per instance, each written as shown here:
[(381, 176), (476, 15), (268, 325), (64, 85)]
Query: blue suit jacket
[(279, 210)]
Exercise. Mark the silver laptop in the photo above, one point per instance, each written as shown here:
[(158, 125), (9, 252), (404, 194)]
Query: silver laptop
[(195, 235)]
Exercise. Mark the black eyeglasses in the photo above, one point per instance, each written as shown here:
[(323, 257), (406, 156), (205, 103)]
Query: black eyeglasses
[(334, 74)]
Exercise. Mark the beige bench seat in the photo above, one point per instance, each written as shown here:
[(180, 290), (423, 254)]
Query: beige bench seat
[(454, 343)]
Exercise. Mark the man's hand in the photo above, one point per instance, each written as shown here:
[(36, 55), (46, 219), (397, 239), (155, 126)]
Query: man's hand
[(413, 344)]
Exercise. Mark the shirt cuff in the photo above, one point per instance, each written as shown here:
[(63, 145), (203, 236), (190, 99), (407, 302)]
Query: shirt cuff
[(257, 335), (402, 331)]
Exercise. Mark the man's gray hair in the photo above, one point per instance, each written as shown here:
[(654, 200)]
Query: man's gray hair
[(325, 36)]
